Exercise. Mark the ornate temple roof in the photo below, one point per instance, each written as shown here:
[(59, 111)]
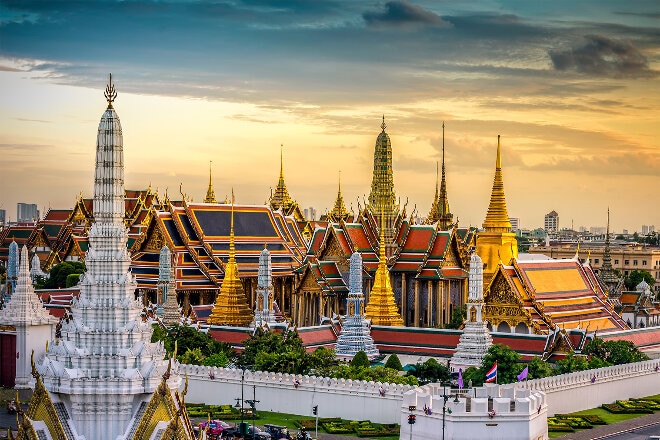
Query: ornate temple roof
[(555, 293), (439, 212), (210, 194), (339, 211), (281, 199), (497, 218)]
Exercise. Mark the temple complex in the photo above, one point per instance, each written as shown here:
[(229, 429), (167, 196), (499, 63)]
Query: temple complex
[(475, 339), (31, 321), (104, 379), (231, 307), (355, 334)]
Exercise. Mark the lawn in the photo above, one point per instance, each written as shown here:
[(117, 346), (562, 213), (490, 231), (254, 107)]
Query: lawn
[(605, 415)]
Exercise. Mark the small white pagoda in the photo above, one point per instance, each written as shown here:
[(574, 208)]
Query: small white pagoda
[(34, 325), (355, 332), (168, 307), (475, 339), (264, 311)]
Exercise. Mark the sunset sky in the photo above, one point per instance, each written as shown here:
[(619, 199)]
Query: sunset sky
[(573, 87)]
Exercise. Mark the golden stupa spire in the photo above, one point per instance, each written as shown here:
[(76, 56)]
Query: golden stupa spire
[(231, 306), (210, 194), (382, 308), (339, 212), (281, 198), (497, 218), (496, 243)]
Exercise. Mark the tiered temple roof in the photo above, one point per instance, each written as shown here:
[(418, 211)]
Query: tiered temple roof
[(281, 199), (544, 295), (440, 212)]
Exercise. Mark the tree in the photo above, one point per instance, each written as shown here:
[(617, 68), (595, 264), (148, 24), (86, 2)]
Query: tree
[(430, 371), (394, 363), (636, 276), (360, 360), (60, 272), (322, 361), (457, 317), (572, 363), (72, 279), (508, 364), (539, 368), (287, 346)]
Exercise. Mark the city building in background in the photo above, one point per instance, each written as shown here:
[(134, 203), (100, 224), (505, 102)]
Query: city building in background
[(515, 223), (551, 222), (26, 212)]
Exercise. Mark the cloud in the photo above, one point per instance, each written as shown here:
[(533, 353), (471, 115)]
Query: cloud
[(401, 13), (602, 56)]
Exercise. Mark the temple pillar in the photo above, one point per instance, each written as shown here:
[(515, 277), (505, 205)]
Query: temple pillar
[(404, 299), (430, 304), (416, 303)]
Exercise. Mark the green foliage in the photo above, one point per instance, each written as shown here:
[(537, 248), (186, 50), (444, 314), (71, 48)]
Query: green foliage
[(394, 363), (613, 352), (40, 282), (430, 371), (216, 360), (474, 375), (193, 356), (572, 363), (60, 272), (508, 362), (457, 317), (72, 279), (636, 276), (376, 374), (360, 360), (539, 368), (286, 345), (322, 361)]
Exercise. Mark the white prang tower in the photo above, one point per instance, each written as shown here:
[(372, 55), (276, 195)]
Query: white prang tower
[(355, 332), (476, 339), (34, 325), (264, 311), (168, 307), (103, 371)]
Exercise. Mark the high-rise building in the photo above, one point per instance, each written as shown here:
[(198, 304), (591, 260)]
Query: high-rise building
[(26, 212), (648, 229), (551, 223), (515, 223), (3, 216)]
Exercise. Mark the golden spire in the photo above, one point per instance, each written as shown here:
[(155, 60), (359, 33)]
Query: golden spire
[(497, 218), (210, 194), (339, 211), (231, 306), (440, 208), (281, 198), (382, 308), (110, 92)]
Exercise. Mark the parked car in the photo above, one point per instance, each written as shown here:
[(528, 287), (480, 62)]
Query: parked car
[(278, 432), (246, 432), (215, 429)]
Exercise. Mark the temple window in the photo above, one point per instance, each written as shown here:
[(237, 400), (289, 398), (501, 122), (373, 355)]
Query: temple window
[(616, 261), (626, 262), (596, 261), (634, 262), (643, 262)]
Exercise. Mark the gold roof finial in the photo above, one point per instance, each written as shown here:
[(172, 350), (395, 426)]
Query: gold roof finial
[(383, 125), (110, 92), (210, 194), (497, 218)]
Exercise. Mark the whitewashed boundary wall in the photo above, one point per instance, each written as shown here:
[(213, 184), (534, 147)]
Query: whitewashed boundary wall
[(345, 398), (591, 388)]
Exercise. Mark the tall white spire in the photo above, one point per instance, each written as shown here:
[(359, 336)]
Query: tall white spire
[(105, 364), (264, 310)]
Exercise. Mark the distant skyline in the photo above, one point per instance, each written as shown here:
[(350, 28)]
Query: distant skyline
[(572, 88)]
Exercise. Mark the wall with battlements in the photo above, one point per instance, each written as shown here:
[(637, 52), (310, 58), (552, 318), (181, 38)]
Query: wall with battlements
[(591, 388), (493, 412), (297, 394)]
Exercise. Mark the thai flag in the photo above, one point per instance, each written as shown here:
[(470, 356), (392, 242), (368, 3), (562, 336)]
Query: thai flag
[(491, 375)]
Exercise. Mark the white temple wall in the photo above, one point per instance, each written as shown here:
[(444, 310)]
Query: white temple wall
[(277, 392), (576, 391), (361, 400)]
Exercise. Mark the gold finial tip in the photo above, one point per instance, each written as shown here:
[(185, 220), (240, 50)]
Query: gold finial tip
[(110, 92), (383, 125)]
